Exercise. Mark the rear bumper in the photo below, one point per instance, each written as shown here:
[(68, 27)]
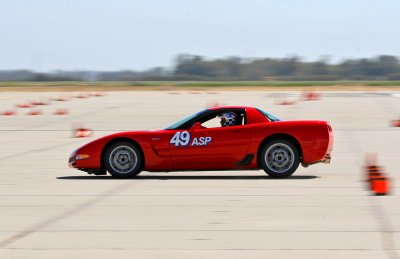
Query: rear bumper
[(326, 160)]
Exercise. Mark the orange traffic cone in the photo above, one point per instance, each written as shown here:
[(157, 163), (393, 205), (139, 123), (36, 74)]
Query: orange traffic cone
[(61, 112), (286, 102), (34, 103), (82, 133), (396, 123), (23, 105), (98, 94), (373, 172), (378, 183), (82, 96), (9, 112), (311, 96), (211, 104), (63, 98), (34, 112)]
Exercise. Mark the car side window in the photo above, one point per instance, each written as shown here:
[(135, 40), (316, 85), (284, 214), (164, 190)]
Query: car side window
[(212, 123), (225, 118)]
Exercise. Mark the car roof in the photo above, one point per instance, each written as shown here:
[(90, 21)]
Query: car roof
[(228, 107)]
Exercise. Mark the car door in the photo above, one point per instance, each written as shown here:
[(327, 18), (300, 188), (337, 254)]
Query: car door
[(209, 148), (157, 150)]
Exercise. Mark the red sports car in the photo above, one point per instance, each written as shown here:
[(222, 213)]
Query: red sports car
[(221, 138)]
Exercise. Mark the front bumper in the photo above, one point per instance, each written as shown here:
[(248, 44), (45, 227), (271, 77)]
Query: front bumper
[(72, 160), (75, 157), (82, 161)]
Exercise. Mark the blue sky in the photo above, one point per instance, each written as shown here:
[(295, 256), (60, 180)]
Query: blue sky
[(45, 35)]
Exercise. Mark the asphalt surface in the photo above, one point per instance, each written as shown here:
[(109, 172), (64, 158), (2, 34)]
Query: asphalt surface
[(324, 211)]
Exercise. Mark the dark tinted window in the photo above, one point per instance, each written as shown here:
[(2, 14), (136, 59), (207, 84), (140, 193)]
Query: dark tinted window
[(269, 116)]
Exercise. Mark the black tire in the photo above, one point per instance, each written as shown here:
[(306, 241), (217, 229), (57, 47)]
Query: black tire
[(283, 158), (123, 159)]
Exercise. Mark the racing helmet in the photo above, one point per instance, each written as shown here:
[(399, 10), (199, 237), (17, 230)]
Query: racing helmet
[(228, 119)]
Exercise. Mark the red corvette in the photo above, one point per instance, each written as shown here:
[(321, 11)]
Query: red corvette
[(222, 138)]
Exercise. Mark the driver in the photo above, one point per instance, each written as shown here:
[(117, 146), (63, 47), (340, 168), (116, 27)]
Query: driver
[(228, 119)]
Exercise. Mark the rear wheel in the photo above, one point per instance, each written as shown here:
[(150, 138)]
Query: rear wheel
[(123, 159), (279, 158)]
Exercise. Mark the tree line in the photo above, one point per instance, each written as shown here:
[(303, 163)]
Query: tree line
[(383, 67), (194, 67)]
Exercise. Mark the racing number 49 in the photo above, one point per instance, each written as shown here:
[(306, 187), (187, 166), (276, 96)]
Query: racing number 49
[(181, 138)]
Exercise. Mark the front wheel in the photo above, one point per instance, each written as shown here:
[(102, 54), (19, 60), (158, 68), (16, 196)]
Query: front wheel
[(123, 159), (279, 158)]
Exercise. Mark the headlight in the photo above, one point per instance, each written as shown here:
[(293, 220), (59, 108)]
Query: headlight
[(81, 156)]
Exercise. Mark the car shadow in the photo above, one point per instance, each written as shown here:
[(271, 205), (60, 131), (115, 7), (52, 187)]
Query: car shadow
[(189, 177)]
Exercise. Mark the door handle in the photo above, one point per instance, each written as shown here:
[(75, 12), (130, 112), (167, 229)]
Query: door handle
[(237, 130)]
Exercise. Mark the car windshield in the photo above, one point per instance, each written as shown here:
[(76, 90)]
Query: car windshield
[(269, 116), (183, 121)]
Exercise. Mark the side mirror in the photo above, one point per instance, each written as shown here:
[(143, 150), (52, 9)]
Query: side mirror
[(196, 125)]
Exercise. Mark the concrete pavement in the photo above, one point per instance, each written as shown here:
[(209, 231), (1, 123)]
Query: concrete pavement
[(50, 211)]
